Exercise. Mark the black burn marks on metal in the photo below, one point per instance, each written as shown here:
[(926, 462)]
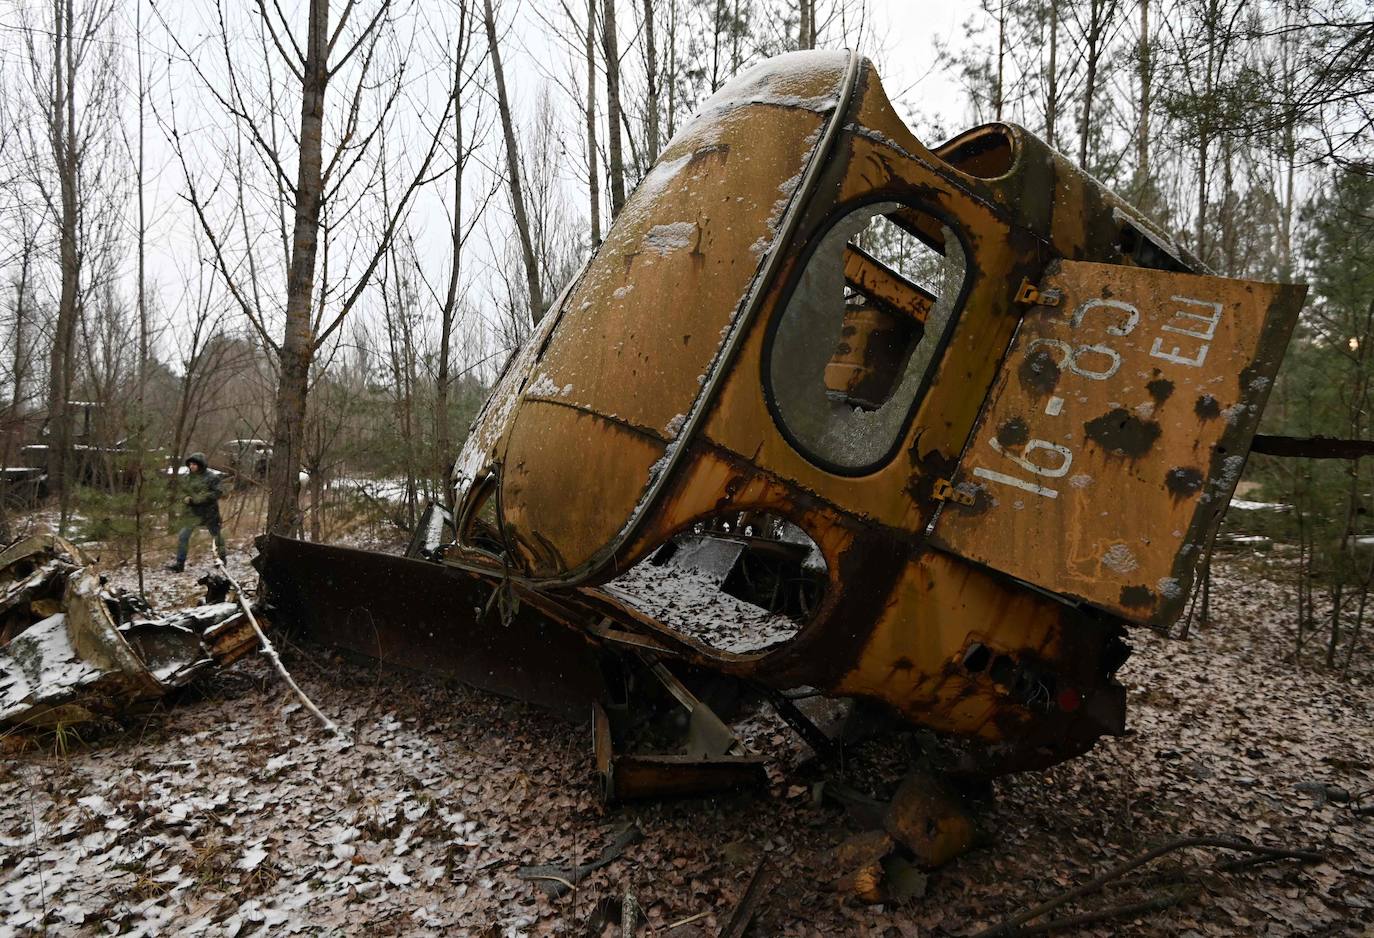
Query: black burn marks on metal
[(1013, 432), (1183, 481), (1137, 597), (1039, 372), (1123, 433), (820, 656), (1207, 407), (1160, 389)]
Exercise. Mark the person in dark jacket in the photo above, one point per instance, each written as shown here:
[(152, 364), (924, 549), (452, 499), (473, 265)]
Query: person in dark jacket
[(203, 490)]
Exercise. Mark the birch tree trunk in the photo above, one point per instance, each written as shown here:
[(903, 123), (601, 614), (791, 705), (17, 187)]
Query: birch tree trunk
[(672, 68)]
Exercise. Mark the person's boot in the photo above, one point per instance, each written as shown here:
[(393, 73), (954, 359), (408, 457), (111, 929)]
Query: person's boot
[(176, 566)]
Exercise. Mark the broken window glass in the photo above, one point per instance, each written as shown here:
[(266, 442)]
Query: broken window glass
[(855, 342)]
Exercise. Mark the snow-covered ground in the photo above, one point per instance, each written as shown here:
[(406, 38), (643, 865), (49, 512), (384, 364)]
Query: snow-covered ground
[(227, 812)]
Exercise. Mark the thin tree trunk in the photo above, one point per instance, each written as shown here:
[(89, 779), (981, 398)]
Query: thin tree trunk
[(734, 39), (1304, 583), (1001, 57), (1290, 160), (1142, 137), (617, 161), (14, 421), (1227, 222), (62, 133), (317, 505), (1338, 590), (593, 169), (517, 196), (1090, 80), (443, 431), (298, 341), (651, 85), (140, 437), (672, 68), (1359, 617), (1203, 147), (21, 314), (1052, 91), (804, 24), (1204, 144)]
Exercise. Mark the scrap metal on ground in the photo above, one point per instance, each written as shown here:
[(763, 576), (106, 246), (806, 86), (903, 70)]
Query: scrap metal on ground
[(71, 651), (831, 413)]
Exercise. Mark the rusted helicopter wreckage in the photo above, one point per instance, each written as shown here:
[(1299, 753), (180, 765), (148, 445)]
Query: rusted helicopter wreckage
[(832, 412)]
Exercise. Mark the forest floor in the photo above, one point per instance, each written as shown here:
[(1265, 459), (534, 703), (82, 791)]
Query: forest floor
[(225, 812)]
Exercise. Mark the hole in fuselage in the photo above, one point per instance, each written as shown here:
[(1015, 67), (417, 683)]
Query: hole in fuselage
[(739, 583)]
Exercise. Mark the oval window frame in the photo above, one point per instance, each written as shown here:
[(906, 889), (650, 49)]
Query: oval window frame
[(821, 232)]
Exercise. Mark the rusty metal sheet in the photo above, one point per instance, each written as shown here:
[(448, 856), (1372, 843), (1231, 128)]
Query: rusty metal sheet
[(427, 617), (1116, 431), (894, 292), (630, 776), (699, 233)]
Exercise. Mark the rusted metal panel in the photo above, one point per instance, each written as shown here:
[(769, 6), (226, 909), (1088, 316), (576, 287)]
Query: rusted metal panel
[(890, 289), (1116, 432), (421, 616), (702, 224), (632, 776), (928, 820)]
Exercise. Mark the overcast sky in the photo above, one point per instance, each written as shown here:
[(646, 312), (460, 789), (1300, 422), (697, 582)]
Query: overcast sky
[(904, 34)]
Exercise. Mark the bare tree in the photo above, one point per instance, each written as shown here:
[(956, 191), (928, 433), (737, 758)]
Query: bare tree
[(71, 66), (316, 200), (463, 75), (1094, 41), (611, 52), (651, 91), (1052, 75), (593, 176), (517, 197)]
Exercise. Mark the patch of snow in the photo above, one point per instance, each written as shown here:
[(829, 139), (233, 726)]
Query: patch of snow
[(1119, 559), (669, 238)]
